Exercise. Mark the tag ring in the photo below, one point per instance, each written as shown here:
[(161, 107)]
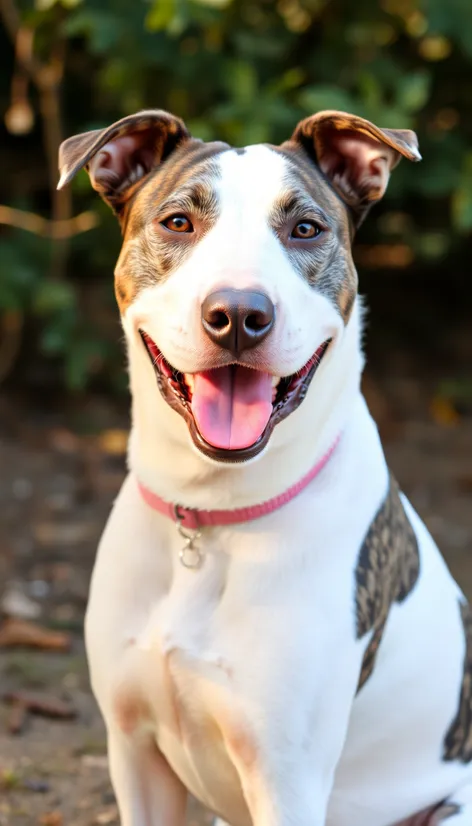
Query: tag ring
[(190, 556)]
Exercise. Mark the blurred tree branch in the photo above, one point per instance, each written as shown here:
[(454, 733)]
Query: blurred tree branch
[(47, 78), (57, 230), (12, 22)]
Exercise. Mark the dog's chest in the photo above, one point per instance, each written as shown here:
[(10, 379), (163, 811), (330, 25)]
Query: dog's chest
[(215, 660), (177, 681)]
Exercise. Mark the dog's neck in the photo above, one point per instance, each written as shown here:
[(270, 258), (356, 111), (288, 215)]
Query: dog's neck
[(164, 459)]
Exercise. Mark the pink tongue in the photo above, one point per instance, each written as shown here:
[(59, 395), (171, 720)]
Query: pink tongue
[(232, 405)]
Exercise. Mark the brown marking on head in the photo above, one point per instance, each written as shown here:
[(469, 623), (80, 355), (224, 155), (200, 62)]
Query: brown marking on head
[(124, 292), (147, 167), (327, 264), (183, 184), (342, 164), (346, 294)]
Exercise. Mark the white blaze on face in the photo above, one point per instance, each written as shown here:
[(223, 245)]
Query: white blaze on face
[(241, 250), (249, 185)]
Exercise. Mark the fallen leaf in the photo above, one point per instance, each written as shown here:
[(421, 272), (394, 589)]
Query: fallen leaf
[(51, 819), (8, 779), (57, 534), (42, 704), (17, 632), (64, 440), (443, 412), (95, 761), (16, 604), (107, 816), (17, 718), (113, 441)]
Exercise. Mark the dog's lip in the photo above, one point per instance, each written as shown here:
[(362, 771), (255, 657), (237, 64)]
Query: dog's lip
[(175, 387)]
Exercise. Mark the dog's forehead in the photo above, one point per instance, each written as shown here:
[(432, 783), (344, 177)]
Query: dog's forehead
[(259, 174), (255, 176), (254, 173)]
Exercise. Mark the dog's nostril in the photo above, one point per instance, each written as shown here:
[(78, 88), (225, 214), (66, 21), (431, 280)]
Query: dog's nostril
[(218, 319), (256, 321), (237, 319)]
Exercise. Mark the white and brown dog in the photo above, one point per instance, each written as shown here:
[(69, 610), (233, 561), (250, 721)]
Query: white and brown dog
[(270, 625)]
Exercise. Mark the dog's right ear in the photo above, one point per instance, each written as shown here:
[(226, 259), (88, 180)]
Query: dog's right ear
[(121, 156)]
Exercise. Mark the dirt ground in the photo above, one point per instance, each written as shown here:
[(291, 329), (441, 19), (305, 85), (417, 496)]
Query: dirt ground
[(59, 475)]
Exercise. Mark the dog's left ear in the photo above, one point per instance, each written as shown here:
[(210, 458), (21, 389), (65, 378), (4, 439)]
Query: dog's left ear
[(118, 157), (355, 155)]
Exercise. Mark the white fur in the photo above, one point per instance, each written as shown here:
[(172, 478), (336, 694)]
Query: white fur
[(237, 681)]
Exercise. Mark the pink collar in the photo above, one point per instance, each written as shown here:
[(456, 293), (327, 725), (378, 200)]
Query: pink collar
[(194, 519)]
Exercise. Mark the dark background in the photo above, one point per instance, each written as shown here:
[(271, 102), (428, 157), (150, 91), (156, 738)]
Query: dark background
[(243, 71)]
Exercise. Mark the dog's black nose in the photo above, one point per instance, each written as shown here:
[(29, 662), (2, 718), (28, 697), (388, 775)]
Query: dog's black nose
[(237, 319)]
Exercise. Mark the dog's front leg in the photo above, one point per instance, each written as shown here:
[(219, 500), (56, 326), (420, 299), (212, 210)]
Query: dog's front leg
[(147, 790), (289, 798), (280, 786)]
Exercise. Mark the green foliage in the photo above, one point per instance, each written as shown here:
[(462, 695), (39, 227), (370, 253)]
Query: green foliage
[(245, 71)]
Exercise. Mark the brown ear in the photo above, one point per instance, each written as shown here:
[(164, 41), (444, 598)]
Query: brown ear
[(355, 155), (118, 157)]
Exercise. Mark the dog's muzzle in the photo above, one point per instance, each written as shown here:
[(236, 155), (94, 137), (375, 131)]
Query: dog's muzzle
[(232, 410)]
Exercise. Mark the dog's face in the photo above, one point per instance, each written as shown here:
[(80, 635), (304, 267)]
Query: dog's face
[(236, 277)]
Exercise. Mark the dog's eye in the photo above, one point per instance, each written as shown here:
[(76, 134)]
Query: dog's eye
[(178, 223), (306, 230)]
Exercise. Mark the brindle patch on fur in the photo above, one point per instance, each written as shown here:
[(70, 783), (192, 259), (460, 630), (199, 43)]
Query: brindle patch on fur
[(327, 266), (447, 809), (432, 815), (387, 571), (184, 183), (458, 740)]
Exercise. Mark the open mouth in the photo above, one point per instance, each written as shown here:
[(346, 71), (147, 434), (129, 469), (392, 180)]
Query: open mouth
[(231, 411)]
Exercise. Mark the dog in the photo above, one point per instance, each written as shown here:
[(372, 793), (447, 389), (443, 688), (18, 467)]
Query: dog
[(270, 626)]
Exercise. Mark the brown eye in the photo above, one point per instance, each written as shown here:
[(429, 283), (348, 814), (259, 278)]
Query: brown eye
[(306, 230), (178, 223)]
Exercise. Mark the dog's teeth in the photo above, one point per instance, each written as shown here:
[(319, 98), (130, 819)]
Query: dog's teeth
[(275, 381)]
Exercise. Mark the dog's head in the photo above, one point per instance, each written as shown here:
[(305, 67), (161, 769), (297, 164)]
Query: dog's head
[(235, 281)]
